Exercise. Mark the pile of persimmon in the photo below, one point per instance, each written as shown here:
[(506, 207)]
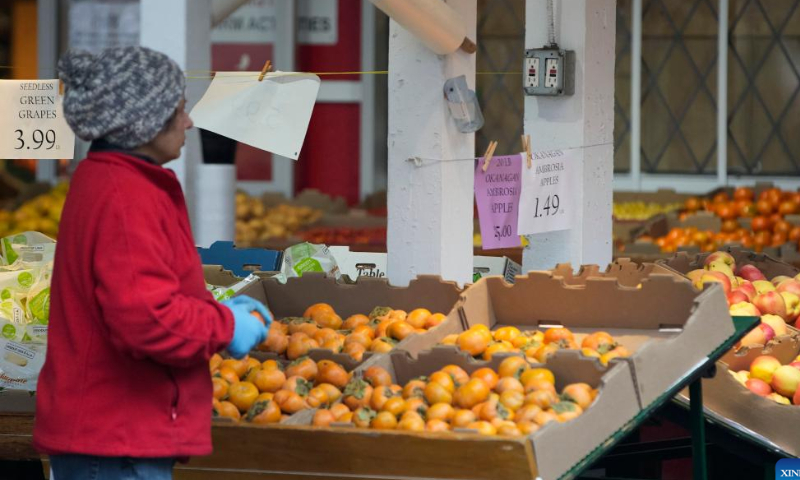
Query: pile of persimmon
[(321, 327), (263, 393), (515, 400), (480, 342), (767, 214)]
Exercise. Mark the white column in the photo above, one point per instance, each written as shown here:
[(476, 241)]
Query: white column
[(636, 95), (722, 94), (47, 57), (216, 204), (182, 30), (430, 207), (585, 119)]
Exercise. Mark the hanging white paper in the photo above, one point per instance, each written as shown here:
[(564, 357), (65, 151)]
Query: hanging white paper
[(32, 121), (550, 192), (271, 115)]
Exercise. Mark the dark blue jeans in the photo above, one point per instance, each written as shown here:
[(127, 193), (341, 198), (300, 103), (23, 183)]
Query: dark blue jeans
[(87, 467)]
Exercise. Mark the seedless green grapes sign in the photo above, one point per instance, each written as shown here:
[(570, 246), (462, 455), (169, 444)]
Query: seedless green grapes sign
[(550, 192), (32, 122)]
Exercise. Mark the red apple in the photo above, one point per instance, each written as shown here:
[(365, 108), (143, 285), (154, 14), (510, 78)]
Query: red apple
[(748, 289), (780, 279), (763, 367), (796, 398), (751, 273), (725, 257), (758, 386), (771, 303), (744, 309), (791, 286), (785, 380), (795, 365), (715, 277), (737, 296), (792, 302), (758, 337), (777, 324), (763, 286)]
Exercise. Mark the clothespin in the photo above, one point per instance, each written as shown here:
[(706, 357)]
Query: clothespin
[(526, 146), (267, 68), (489, 154)]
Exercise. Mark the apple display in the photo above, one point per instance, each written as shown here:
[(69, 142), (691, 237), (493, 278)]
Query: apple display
[(758, 386), (751, 273), (771, 303), (764, 367), (777, 324), (792, 302), (785, 380), (744, 309), (763, 286)]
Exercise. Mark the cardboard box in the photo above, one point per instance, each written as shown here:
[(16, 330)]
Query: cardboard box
[(731, 404), (217, 276), (540, 455), (298, 293), (668, 325), (17, 401), (241, 261), (683, 263)]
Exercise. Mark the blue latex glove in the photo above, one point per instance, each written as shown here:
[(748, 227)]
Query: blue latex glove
[(248, 331)]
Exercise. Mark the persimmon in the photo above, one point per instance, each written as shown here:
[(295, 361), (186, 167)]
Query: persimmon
[(512, 399), (546, 416), (355, 351), (463, 417), (495, 348), (297, 384), (384, 421), (242, 395), (263, 413), (328, 320), (441, 411), (434, 320), (333, 392), (323, 418), (303, 367), (317, 308), (437, 393), (527, 413), (543, 399), (292, 403), (412, 424), (269, 380), (444, 379), (436, 425), (239, 367), (483, 428), (578, 393), (459, 375), (536, 374), (354, 321), (333, 373), (228, 374), (566, 411), (472, 393), (276, 342), (414, 388), (357, 394), (473, 342), (558, 334), (599, 341), (228, 410), (380, 395), (527, 427), (215, 362), (377, 376), (418, 405), (488, 376), (451, 339), (512, 367), (382, 345), (509, 384), (324, 334), (339, 410), (417, 318), (317, 397), (400, 330), (220, 388), (394, 405)]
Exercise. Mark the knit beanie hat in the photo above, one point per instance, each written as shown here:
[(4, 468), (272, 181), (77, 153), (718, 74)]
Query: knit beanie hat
[(124, 95)]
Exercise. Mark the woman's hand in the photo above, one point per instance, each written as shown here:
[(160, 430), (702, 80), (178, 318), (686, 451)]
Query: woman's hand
[(248, 331)]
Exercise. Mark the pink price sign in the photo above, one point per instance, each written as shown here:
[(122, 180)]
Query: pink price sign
[(497, 193)]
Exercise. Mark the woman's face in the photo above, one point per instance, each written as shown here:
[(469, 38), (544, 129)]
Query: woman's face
[(167, 144)]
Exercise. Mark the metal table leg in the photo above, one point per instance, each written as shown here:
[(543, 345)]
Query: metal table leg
[(698, 428)]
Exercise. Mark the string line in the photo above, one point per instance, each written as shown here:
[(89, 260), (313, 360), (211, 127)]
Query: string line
[(418, 161)]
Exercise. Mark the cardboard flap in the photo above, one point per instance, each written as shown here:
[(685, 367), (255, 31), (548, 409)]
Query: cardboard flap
[(785, 349), (559, 446), (217, 276)]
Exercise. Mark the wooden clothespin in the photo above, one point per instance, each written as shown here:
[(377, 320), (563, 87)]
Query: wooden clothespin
[(267, 68), (489, 154), (526, 146)]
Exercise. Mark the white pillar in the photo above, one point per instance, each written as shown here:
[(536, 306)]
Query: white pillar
[(430, 207), (215, 204), (585, 119), (47, 57), (182, 30)]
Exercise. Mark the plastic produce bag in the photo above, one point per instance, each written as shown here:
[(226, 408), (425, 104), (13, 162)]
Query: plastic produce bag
[(308, 257), (26, 248), (20, 364), (224, 293)]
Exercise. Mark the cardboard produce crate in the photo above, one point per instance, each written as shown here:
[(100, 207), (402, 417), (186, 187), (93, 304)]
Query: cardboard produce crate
[(734, 406), (344, 452), (669, 326), (298, 293), (217, 276)]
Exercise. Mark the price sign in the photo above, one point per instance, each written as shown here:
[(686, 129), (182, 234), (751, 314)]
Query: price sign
[(550, 191), (497, 192), (32, 122)]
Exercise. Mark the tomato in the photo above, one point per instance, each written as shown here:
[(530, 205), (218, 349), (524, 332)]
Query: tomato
[(354, 321), (487, 375), (512, 400), (269, 380), (599, 340), (380, 395), (444, 379), (318, 397), (554, 335), (220, 388), (462, 418), (323, 418), (339, 410), (506, 334), (483, 428), (537, 374), (414, 388), (473, 342), (434, 320), (472, 393), (357, 393), (543, 399), (262, 413), (418, 317), (362, 417), (441, 411), (512, 367), (566, 411), (437, 393), (384, 421), (459, 375), (437, 426), (378, 376)]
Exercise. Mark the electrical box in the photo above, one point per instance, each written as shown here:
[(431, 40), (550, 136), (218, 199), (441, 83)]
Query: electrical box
[(549, 71)]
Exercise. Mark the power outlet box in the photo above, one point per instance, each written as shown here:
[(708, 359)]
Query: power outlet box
[(549, 71)]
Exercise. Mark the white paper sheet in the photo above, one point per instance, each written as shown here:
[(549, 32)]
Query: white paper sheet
[(550, 192), (271, 115)]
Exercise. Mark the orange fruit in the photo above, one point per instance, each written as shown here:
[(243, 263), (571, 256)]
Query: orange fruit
[(228, 410), (243, 395), (317, 308), (228, 374), (418, 318)]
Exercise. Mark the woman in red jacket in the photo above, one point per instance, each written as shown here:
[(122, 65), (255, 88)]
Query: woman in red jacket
[(125, 389)]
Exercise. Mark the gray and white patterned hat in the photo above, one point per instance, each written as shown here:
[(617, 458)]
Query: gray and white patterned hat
[(123, 95)]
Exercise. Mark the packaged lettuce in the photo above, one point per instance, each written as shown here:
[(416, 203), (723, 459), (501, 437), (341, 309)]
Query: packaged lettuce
[(27, 248), (308, 257), (224, 293), (12, 320), (20, 364)]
